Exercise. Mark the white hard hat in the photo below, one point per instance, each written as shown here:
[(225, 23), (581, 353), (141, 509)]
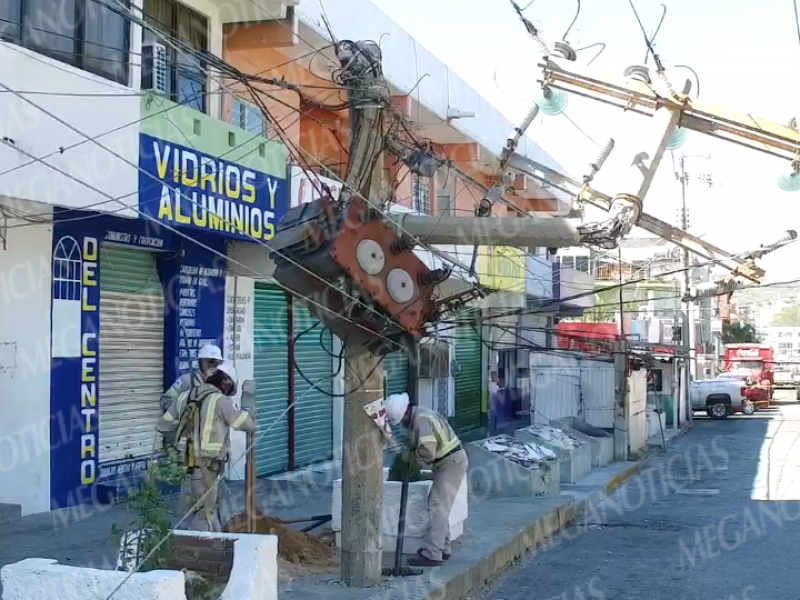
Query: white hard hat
[(210, 352), (396, 407), (228, 369)]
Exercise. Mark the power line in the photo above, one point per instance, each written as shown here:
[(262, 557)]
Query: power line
[(208, 248)]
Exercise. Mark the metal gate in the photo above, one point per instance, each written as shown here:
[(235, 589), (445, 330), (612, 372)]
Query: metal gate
[(637, 415), (469, 391), (565, 385), (313, 386), (555, 386), (131, 352), (598, 393), (271, 372)]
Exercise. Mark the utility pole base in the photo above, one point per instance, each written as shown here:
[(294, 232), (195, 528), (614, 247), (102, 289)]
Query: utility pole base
[(404, 572), (361, 569), (362, 475)]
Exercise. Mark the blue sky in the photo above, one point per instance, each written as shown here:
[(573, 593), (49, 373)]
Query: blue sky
[(746, 55)]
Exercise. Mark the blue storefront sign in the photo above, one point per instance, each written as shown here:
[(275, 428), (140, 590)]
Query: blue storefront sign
[(193, 281), (184, 187)]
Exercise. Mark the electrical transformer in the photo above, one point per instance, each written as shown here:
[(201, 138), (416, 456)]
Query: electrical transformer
[(352, 271)]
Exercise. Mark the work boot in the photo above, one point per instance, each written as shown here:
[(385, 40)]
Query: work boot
[(420, 560), (445, 556)]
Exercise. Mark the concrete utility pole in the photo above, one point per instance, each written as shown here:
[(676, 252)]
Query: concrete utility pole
[(621, 391), (688, 325), (362, 459), (510, 231), (362, 475)]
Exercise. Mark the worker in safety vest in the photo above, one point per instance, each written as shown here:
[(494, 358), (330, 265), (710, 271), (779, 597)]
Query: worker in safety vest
[(210, 356), (432, 442), (204, 416)]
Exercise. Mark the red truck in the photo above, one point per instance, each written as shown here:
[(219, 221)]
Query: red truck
[(754, 363)]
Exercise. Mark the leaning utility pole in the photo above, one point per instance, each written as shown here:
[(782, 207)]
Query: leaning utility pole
[(362, 460), (687, 324)]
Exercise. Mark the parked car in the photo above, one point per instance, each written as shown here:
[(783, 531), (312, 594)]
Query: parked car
[(720, 397), (784, 380)]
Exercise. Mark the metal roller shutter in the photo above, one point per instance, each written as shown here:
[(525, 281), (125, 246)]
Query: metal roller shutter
[(395, 372), (313, 409), (468, 380), (395, 381), (271, 372), (131, 352)]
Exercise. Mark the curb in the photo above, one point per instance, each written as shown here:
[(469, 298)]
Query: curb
[(530, 538)]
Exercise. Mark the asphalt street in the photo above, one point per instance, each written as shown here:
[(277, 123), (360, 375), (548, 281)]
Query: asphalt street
[(716, 517)]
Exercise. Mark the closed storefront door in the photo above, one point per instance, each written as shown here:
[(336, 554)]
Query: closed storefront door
[(469, 390), (313, 385), (271, 372), (395, 381), (131, 352)]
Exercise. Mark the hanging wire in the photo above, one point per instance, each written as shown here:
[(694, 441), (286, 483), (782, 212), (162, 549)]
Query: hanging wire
[(574, 19), (599, 52), (696, 76)]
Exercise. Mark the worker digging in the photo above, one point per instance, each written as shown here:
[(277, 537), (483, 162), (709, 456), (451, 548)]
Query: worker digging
[(204, 415), (432, 442)]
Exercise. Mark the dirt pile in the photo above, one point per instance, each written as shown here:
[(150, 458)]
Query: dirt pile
[(293, 545)]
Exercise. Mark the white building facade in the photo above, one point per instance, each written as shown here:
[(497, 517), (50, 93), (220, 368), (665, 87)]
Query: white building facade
[(120, 256)]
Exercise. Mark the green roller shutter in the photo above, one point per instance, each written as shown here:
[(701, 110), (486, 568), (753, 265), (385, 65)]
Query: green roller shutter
[(271, 371), (131, 356), (395, 372), (468, 380), (395, 381), (313, 409)]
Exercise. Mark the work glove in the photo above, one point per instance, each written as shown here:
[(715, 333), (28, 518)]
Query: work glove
[(169, 440), (249, 396)]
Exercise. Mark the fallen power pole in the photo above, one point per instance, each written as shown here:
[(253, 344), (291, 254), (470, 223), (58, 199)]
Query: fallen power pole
[(742, 266)]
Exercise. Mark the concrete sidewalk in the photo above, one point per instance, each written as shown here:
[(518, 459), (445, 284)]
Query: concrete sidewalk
[(498, 532)]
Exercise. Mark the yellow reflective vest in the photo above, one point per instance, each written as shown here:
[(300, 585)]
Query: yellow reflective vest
[(431, 437), (205, 416)]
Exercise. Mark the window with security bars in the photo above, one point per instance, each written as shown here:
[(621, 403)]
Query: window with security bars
[(187, 82), (249, 117), (87, 34), (422, 194)]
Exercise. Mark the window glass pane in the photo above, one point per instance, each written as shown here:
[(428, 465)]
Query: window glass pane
[(192, 28), (105, 44), (9, 19), (50, 27), (159, 13), (254, 122), (236, 112), (191, 92)]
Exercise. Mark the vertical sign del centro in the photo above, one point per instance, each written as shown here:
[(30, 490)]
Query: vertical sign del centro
[(185, 187), (88, 448), (74, 401)]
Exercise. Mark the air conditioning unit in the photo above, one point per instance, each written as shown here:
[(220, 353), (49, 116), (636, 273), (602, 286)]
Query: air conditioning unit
[(434, 360), (155, 68)]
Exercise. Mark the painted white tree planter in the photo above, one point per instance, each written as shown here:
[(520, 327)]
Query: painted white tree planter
[(254, 576), (416, 513)]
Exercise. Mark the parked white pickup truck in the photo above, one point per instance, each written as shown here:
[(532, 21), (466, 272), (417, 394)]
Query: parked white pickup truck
[(720, 397)]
